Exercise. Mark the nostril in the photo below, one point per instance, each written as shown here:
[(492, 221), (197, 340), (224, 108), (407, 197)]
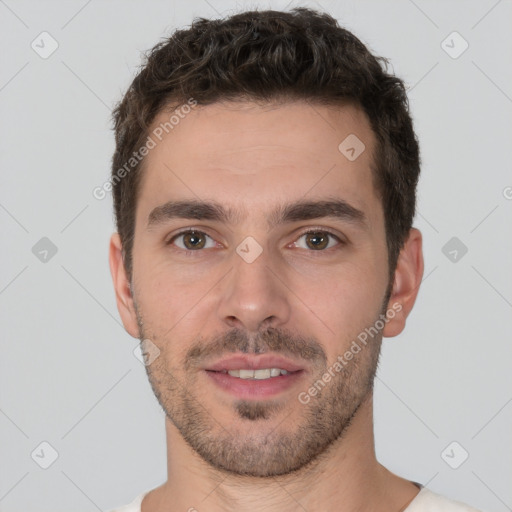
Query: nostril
[(233, 321)]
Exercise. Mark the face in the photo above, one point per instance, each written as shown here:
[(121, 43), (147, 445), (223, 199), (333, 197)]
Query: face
[(260, 246)]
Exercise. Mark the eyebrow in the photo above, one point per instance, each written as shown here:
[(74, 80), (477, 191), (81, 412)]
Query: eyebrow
[(338, 209)]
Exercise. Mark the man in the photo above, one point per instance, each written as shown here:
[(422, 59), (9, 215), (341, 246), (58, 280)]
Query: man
[(264, 185)]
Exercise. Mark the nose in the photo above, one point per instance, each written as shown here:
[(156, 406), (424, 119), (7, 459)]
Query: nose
[(253, 297)]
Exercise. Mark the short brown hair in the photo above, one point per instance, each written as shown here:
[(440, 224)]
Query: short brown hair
[(269, 56)]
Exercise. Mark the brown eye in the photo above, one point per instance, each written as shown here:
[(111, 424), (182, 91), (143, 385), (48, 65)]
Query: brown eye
[(317, 240), (192, 240)]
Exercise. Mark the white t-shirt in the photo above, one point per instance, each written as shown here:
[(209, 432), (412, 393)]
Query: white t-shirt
[(425, 501)]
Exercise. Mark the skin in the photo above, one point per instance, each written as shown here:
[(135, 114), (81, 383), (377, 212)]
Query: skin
[(294, 299)]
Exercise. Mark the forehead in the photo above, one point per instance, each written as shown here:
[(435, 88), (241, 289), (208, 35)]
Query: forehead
[(251, 154)]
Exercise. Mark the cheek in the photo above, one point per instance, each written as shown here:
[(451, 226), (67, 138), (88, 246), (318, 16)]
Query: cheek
[(346, 297), (171, 295)]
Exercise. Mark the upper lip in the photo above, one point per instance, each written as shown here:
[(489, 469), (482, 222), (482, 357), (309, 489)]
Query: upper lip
[(254, 363)]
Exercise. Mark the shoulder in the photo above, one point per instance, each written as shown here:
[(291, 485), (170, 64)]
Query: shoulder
[(428, 501), (134, 506)]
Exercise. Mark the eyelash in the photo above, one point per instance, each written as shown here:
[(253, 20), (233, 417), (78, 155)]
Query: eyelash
[(309, 231)]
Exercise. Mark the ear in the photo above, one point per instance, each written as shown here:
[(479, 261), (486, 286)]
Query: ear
[(124, 299), (408, 275)]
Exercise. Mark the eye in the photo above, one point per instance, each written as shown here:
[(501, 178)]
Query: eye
[(317, 240), (192, 240)]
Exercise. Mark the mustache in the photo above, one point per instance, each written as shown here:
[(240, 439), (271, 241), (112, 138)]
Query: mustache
[(278, 341)]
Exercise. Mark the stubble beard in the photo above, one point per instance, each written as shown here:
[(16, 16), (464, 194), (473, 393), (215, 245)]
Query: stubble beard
[(263, 443)]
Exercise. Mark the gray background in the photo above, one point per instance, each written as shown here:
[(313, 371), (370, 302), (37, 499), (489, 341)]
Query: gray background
[(69, 376)]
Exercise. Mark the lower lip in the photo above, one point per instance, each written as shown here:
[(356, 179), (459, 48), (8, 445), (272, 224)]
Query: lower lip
[(254, 388)]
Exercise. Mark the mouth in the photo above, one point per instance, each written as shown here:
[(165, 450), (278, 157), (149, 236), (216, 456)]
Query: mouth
[(261, 374), (255, 377)]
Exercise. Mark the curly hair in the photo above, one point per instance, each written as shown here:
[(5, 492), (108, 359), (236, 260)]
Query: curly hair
[(271, 56)]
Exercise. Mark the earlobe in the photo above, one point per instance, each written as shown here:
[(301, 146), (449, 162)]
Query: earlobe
[(122, 286), (407, 280)]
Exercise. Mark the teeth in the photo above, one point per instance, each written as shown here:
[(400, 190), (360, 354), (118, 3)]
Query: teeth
[(264, 373)]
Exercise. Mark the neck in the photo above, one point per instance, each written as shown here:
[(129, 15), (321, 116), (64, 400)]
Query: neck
[(346, 478)]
